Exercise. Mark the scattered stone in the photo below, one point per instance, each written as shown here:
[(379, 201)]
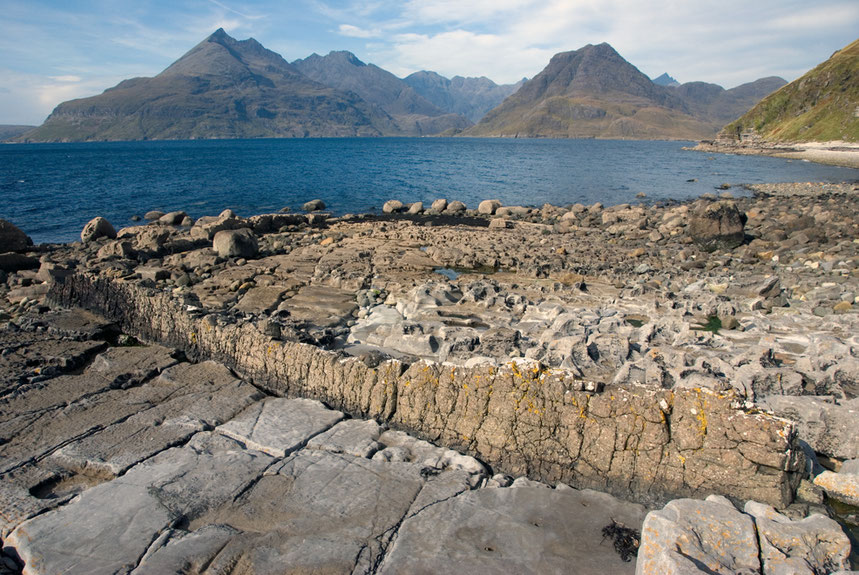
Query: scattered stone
[(97, 228)]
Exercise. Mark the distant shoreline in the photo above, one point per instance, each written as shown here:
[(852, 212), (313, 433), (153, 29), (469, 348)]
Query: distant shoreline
[(836, 153)]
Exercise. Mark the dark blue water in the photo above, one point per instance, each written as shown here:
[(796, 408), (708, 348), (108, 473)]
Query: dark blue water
[(51, 190)]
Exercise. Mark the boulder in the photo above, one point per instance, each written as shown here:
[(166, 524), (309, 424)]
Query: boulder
[(488, 207), (12, 239), (841, 486), (235, 243), (717, 226), (815, 544), (439, 205), (392, 206), (416, 208), (12, 262), (455, 207), (206, 227), (692, 536), (97, 228), (313, 206), (152, 215), (173, 218)]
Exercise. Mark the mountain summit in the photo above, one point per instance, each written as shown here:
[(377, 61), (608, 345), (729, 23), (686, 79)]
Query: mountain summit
[(221, 88), (591, 92)]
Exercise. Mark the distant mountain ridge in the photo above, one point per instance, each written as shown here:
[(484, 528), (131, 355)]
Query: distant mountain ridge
[(221, 88), (594, 93), (665, 80), (10, 131), (470, 97), (413, 114), (822, 105), (226, 88)]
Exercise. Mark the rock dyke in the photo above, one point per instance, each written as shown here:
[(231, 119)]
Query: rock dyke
[(643, 443)]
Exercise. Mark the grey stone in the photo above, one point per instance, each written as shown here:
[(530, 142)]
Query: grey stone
[(526, 530), (455, 207), (152, 215), (12, 239), (313, 206), (235, 243), (12, 262), (97, 228), (416, 208), (842, 486), (279, 426), (488, 207), (850, 466), (392, 206), (439, 205), (717, 225), (173, 218), (813, 545), (353, 437), (690, 536), (828, 427), (178, 551)]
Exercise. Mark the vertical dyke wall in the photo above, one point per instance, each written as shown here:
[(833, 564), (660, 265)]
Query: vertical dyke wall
[(640, 443)]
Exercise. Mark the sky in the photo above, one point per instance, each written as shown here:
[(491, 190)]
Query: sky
[(55, 50)]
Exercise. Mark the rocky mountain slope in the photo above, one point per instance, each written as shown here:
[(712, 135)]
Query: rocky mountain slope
[(822, 105), (594, 92), (414, 115), (471, 97), (591, 92), (718, 106), (222, 88)]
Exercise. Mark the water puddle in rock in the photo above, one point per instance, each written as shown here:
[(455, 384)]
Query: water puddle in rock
[(453, 273)]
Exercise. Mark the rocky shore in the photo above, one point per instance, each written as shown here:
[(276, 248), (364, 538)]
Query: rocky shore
[(700, 358), (837, 153)]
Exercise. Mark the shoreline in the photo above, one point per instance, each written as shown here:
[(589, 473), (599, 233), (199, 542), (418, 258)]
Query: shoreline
[(836, 153), (647, 351)]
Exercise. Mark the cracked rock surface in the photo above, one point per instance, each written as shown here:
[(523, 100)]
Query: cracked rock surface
[(141, 462)]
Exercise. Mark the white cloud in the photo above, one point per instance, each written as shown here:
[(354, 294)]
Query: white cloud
[(356, 32)]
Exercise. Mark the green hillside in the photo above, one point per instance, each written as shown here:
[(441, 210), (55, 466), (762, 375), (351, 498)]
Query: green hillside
[(823, 105)]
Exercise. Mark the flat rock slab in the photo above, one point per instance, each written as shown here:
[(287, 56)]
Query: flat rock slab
[(279, 426), (110, 527), (260, 300), (322, 306), (27, 356), (516, 530), (318, 512), (205, 395)]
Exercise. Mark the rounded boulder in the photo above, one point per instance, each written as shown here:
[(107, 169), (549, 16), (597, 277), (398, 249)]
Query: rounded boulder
[(392, 206), (455, 207), (717, 226), (313, 206), (12, 239), (240, 243), (97, 228), (488, 207)]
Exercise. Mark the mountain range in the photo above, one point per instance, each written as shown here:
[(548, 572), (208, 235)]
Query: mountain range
[(226, 88), (594, 93), (822, 105)]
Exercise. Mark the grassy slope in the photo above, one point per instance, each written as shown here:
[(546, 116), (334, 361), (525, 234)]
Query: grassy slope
[(820, 106)]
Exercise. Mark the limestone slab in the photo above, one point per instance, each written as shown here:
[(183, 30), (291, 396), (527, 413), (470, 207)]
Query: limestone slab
[(279, 426), (524, 530)]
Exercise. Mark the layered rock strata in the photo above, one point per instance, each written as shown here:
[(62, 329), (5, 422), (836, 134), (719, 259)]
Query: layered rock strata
[(632, 441)]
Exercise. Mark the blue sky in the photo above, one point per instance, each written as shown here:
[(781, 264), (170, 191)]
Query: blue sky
[(52, 51)]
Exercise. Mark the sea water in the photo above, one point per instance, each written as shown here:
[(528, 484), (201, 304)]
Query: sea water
[(51, 190)]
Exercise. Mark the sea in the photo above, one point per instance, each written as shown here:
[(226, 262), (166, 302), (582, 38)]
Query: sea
[(51, 190)]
